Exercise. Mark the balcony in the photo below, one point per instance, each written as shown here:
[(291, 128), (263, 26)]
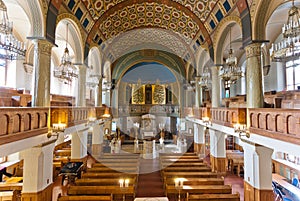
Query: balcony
[(20, 123), (228, 116), (281, 124)]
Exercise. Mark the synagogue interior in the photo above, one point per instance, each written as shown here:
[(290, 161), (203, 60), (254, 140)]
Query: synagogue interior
[(140, 100)]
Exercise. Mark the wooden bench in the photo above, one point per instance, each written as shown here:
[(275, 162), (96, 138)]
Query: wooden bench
[(200, 189), (120, 160), (178, 154), (182, 160), (181, 157), (101, 190), (187, 169), (113, 169), (115, 165), (168, 164), (120, 155), (213, 197), (107, 175), (63, 152), (102, 182), (197, 181), (85, 198), (173, 175)]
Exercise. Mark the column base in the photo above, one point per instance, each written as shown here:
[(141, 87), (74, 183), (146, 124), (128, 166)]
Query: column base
[(218, 164), (253, 194), (43, 195), (97, 150)]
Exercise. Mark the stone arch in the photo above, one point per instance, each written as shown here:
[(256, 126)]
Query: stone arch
[(261, 12), (220, 36), (77, 34)]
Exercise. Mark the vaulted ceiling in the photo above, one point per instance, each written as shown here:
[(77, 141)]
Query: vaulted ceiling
[(188, 23)]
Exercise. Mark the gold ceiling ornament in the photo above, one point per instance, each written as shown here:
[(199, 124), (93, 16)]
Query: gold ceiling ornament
[(10, 47), (66, 71), (288, 48)]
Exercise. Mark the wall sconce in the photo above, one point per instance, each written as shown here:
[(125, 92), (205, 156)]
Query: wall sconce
[(58, 127), (52, 133), (242, 130), (206, 121)]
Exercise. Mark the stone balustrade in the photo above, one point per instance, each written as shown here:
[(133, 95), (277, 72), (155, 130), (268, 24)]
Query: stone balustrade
[(20, 123), (281, 124)]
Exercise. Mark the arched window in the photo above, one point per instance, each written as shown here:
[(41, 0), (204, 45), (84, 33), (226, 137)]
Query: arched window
[(292, 70)]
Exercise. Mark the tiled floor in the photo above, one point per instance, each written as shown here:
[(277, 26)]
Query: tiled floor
[(149, 182)]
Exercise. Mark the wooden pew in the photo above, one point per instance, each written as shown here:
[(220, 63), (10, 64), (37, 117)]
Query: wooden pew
[(183, 160), (107, 175), (113, 169), (168, 164), (120, 155), (197, 181), (63, 152), (180, 157), (101, 190), (85, 198), (187, 169), (200, 189), (120, 160), (213, 197), (173, 175), (178, 154), (102, 182), (113, 165)]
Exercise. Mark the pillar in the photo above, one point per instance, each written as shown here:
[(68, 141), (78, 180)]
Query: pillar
[(255, 98), (41, 65), (97, 140), (257, 173), (98, 95), (81, 95), (216, 94), (199, 140), (198, 95), (38, 172), (217, 151), (79, 145)]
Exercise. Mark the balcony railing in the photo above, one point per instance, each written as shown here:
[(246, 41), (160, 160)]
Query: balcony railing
[(71, 116), (20, 123), (281, 124), (228, 116)]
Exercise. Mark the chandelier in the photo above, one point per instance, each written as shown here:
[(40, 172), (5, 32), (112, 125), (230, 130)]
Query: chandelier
[(231, 72), (10, 47), (66, 71), (289, 48), (205, 78)]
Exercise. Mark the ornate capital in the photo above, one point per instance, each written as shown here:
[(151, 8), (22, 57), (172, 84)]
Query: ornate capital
[(42, 46), (253, 50)]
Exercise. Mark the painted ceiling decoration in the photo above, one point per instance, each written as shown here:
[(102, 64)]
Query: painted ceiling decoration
[(149, 38), (103, 20)]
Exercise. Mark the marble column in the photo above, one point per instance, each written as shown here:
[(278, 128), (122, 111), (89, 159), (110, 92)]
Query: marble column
[(81, 95), (41, 65), (97, 140), (216, 86), (255, 96), (198, 95), (98, 95), (217, 151), (38, 172), (79, 145), (257, 172)]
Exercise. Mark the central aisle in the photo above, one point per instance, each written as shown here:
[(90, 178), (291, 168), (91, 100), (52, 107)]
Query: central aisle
[(150, 182)]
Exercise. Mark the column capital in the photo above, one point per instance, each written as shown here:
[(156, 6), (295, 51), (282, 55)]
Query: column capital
[(42, 45), (253, 50)]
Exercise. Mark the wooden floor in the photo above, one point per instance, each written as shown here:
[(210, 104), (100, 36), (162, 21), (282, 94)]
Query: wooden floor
[(149, 182)]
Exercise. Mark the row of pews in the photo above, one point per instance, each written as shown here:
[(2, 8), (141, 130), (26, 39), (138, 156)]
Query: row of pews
[(190, 177), (112, 177)]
